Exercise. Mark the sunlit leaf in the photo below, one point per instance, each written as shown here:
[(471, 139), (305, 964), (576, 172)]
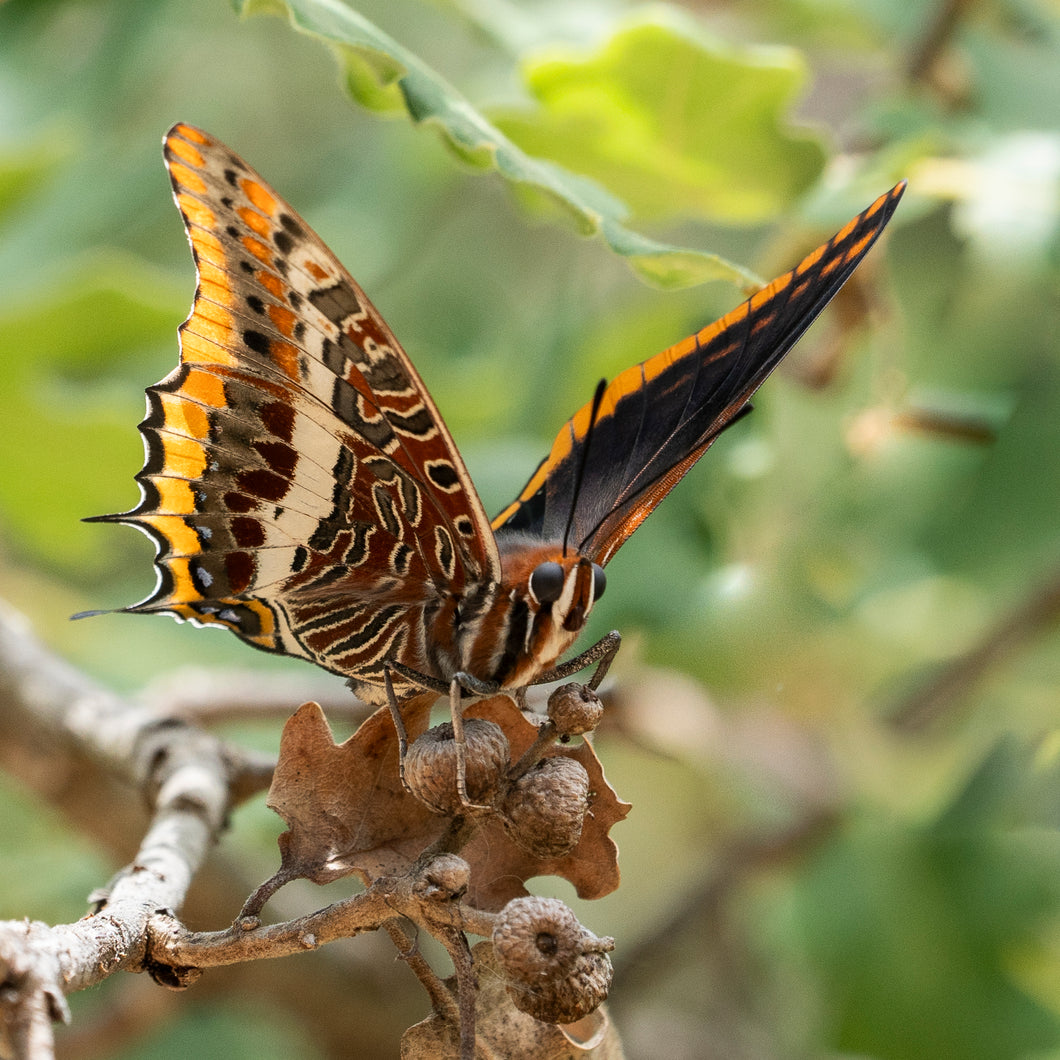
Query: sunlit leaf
[(376, 68), (673, 122)]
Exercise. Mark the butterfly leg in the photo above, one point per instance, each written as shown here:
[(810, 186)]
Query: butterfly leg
[(608, 647), (603, 653), (456, 687), (456, 709), (399, 726)]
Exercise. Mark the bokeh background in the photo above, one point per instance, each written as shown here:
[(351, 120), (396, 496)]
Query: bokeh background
[(837, 709)]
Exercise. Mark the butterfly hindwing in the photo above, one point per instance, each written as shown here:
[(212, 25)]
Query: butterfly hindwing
[(300, 484), (303, 491), (656, 419)]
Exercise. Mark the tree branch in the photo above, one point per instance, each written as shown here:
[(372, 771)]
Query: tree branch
[(189, 781), (388, 898), (185, 775), (352, 998)]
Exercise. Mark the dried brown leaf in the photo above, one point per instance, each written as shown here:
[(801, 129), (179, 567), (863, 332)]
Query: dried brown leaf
[(499, 868), (345, 807), (348, 813)]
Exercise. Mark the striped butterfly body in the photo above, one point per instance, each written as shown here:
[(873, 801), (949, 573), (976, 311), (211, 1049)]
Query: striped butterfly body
[(303, 491)]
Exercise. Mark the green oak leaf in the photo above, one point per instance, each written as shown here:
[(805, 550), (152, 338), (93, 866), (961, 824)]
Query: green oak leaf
[(381, 74), (674, 123)]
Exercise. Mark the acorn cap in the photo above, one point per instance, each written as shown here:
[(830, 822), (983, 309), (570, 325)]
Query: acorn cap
[(444, 878), (557, 970), (430, 765), (543, 811), (574, 709)]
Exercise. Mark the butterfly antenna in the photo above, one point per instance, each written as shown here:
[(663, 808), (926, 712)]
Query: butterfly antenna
[(579, 474)]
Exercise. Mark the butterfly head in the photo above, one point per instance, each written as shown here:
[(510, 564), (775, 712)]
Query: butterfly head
[(569, 589), (560, 589)]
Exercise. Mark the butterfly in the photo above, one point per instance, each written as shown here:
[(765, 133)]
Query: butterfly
[(304, 492)]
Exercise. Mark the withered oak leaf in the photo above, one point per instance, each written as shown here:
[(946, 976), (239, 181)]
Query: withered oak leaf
[(347, 812), (499, 868)]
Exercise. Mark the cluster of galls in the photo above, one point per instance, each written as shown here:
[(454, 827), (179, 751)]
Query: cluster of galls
[(557, 971), (541, 804)]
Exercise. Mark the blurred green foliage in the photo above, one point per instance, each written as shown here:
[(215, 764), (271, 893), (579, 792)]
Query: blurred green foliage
[(632, 116), (831, 554)]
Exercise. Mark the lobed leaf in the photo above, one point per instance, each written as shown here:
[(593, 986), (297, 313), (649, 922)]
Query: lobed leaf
[(676, 123), (347, 812), (382, 75)]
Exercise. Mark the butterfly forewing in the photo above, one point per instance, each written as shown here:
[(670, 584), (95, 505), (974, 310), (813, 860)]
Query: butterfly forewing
[(300, 485), (303, 491), (657, 418)]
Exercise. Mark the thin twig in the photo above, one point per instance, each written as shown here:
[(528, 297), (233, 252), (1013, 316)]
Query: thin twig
[(456, 945), (935, 38), (442, 1001), (1039, 612), (388, 898)]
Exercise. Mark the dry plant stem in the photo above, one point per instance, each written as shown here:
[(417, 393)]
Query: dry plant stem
[(387, 899), (546, 734), (173, 945), (441, 1000), (260, 896), (451, 841), (184, 773), (1039, 612), (459, 951)]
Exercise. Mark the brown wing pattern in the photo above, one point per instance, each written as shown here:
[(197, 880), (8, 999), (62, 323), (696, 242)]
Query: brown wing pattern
[(300, 485)]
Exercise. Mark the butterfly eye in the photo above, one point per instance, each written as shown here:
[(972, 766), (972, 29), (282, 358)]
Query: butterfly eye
[(599, 581), (546, 582)]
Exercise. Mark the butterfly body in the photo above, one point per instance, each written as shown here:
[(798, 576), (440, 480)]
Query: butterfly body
[(303, 491)]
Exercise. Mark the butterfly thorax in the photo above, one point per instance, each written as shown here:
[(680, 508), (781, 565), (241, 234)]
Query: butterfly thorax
[(541, 606), (505, 633)]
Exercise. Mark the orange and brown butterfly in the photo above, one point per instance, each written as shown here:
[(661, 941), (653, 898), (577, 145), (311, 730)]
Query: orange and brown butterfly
[(303, 491)]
